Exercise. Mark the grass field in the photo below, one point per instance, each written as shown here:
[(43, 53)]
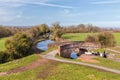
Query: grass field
[(117, 38), (2, 43), (17, 63), (62, 71), (82, 36), (76, 36)]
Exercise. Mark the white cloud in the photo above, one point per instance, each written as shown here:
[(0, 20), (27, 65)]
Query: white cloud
[(52, 5), (19, 3), (8, 15), (105, 2), (10, 9)]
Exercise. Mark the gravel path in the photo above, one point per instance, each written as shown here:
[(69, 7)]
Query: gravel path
[(51, 55)]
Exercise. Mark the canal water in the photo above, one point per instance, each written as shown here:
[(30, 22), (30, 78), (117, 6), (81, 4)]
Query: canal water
[(43, 45)]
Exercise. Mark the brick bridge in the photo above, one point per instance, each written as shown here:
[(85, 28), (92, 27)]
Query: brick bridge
[(66, 49)]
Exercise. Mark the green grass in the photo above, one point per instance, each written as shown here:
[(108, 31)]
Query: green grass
[(76, 72), (117, 38), (76, 36), (102, 62), (108, 63), (62, 71), (101, 50), (82, 36), (2, 43), (17, 63)]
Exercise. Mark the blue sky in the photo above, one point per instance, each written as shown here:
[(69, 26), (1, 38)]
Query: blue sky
[(103, 13)]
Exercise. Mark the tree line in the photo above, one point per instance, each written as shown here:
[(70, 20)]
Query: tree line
[(81, 28)]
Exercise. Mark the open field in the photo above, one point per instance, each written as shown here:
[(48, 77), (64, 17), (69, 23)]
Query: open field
[(2, 42), (61, 71), (117, 38), (82, 36), (76, 36)]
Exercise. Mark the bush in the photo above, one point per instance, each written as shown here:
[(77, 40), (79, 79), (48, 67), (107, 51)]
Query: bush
[(106, 39), (90, 38), (19, 45), (5, 57)]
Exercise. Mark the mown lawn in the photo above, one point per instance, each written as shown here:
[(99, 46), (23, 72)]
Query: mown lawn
[(62, 71), (82, 36), (2, 43), (17, 63)]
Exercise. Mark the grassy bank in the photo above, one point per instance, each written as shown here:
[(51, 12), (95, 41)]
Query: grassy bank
[(62, 71), (17, 63), (22, 62)]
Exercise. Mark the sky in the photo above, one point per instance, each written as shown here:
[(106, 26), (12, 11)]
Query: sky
[(102, 13)]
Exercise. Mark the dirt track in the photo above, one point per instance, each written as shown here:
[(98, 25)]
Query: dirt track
[(30, 66)]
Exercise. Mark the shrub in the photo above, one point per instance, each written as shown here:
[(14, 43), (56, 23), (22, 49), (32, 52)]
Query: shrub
[(19, 45), (106, 39), (5, 57), (90, 38)]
